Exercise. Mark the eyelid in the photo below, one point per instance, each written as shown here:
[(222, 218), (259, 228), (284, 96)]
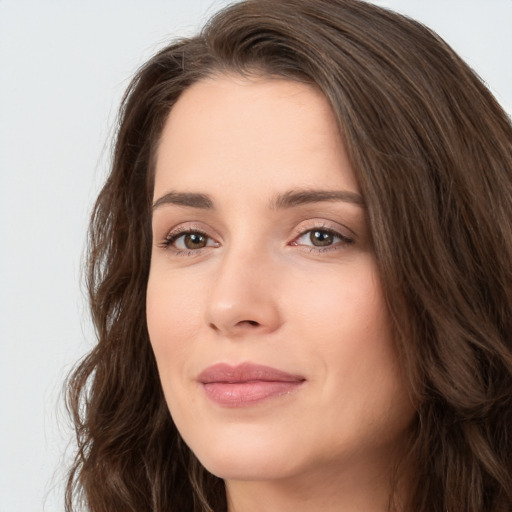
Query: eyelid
[(343, 240), (191, 226), (344, 234), (323, 224), (175, 237), (336, 229), (183, 229)]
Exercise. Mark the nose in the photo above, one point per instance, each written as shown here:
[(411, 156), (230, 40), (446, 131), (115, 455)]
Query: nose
[(243, 296)]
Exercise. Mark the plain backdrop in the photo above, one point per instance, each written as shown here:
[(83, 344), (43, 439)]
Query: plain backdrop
[(64, 65)]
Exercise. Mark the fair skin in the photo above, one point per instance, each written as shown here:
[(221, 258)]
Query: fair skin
[(250, 267)]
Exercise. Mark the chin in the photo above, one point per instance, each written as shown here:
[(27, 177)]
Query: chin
[(254, 460)]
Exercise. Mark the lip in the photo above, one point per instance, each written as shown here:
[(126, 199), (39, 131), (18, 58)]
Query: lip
[(246, 384)]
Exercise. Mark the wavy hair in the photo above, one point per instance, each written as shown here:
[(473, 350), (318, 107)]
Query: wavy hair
[(432, 151)]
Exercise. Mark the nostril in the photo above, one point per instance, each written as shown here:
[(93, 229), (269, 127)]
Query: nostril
[(249, 322)]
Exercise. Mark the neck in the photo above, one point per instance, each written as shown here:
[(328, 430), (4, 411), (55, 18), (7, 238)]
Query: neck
[(333, 489)]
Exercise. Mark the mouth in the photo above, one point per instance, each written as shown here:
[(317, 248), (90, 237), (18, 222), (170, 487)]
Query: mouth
[(246, 384)]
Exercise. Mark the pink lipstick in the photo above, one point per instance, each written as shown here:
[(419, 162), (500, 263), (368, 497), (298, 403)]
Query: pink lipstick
[(246, 384)]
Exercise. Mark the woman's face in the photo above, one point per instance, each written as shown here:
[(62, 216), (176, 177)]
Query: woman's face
[(264, 306)]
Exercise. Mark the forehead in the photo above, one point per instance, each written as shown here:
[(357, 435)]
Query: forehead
[(233, 130)]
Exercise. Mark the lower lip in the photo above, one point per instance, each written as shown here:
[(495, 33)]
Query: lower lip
[(243, 394)]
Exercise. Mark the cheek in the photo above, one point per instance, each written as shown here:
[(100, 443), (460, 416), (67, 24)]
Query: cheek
[(344, 305), (172, 321), (344, 320), (361, 342)]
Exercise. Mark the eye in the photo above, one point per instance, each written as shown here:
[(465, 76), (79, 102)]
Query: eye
[(190, 241), (321, 238)]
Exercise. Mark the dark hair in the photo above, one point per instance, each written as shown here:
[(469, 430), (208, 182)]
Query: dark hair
[(432, 151)]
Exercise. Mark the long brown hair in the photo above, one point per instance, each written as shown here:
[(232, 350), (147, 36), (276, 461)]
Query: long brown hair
[(432, 151)]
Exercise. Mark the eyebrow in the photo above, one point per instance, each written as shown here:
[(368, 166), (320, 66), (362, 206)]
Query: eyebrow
[(190, 199), (299, 197), (285, 200)]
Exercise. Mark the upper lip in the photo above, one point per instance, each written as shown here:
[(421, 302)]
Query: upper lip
[(245, 372)]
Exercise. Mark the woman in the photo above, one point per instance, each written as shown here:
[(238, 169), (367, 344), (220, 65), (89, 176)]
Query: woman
[(299, 272)]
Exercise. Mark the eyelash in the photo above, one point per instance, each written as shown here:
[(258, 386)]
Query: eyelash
[(343, 240), (173, 237)]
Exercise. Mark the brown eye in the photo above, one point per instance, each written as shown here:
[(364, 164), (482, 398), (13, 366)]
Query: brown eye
[(190, 241), (321, 238), (195, 240)]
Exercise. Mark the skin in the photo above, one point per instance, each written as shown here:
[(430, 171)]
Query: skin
[(261, 290)]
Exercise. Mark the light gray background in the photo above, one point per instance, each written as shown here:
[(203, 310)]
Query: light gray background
[(63, 67)]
